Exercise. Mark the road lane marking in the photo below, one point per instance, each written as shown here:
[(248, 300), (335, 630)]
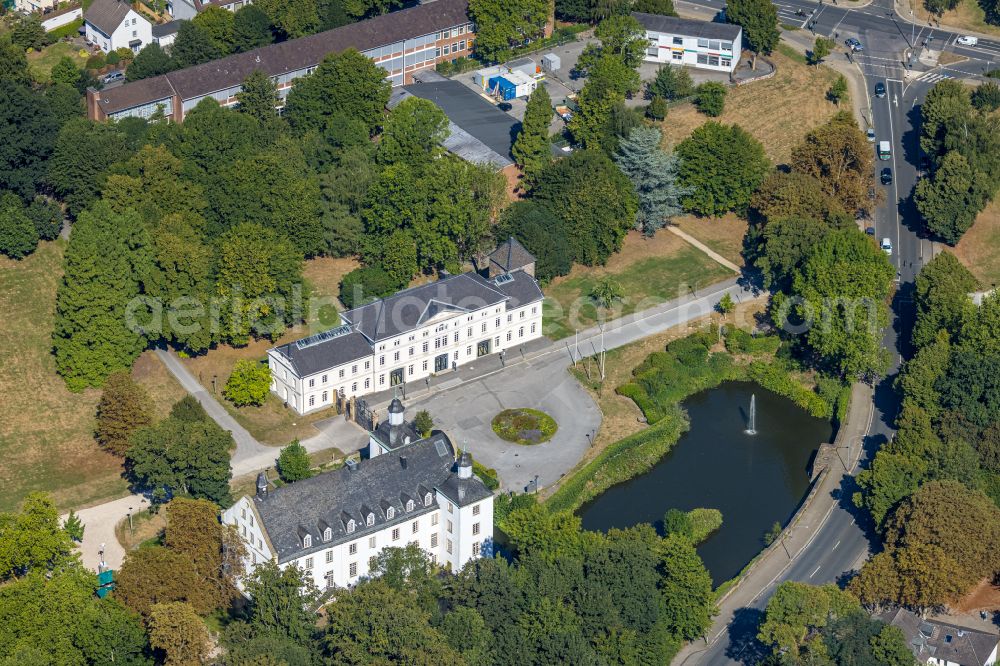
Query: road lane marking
[(835, 546), (813, 573)]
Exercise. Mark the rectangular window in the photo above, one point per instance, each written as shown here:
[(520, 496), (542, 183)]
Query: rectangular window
[(243, 514), (498, 322), (368, 381), (476, 548), (324, 379), (409, 371), (412, 350), (395, 534), (449, 527), (425, 366), (522, 314), (520, 332), (702, 43), (329, 556), (312, 400), (434, 519), (475, 510), (702, 59), (475, 528), (461, 45), (395, 356), (454, 47), (381, 360), (371, 542), (437, 53), (353, 569), (416, 526), (352, 549), (446, 49), (484, 328), (726, 62), (381, 380), (508, 336), (678, 55), (468, 351), (354, 387), (678, 41), (532, 328), (652, 50), (354, 369), (434, 541), (447, 545), (713, 61), (340, 374), (309, 563), (510, 318), (456, 336), (469, 332), (426, 345), (727, 46), (714, 45), (312, 382)]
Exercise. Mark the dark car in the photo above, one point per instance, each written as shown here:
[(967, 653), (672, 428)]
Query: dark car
[(111, 77), (505, 106), (880, 89), (854, 45), (887, 176), (870, 231)]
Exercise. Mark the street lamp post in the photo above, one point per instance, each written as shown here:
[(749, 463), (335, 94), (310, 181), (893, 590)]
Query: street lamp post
[(130, 529)]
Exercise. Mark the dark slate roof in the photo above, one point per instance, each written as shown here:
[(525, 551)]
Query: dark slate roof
[(687, 27), (410, 308), (464, 491), (520, 290), (326, 354), (164, 29), (928, 638), (106, 15), (395, 436), (332, 498), (480, 123), (295, 54), (511, 255)]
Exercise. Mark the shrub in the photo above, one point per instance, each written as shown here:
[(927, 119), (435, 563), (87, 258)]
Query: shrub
[(96, 61), (739, 341), (703, 523), (294, 463), (711, 98), (423, 423), (677, 522), (487, 474), (113, 58), (671, 83), (506, 503), (524, 426), (657, 109), (775, 376)]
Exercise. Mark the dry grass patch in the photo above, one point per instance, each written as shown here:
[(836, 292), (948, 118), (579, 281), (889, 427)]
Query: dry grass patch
[(949, 58), (40, 63), (722, 234), (149, 372), (46, 432), (979, 248), (967, 15), (649, 271), (323, 275), (778, 111)]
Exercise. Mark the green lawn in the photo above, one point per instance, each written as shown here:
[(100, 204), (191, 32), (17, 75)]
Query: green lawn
[(645, 280), (41, 63)]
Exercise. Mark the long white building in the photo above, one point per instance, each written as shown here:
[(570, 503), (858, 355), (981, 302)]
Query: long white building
[(701, 44), (332, 525), (413, 334)]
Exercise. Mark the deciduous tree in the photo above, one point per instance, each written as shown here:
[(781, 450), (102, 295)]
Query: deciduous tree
[(279, 601), (251, 29), (413, 134), (104, 264), (176, 630), (759, 20), (18, 235), (951, 199), (259, 96), (423, 423), (542, 234), (502, 25), (218, 25), (193, 46), (249, 383), (672, 83), (721, 166), (32, 541), (294, 463), (821, 49), (946, 100), (687, 589), (123, 409), (30, 127), (710, 98), (532, 150), (215, 550), (151, 61), (942, 299), (840, 158), (661, 7), (80, 161)]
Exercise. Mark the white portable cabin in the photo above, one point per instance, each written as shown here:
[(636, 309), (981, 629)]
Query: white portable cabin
[(551, 62), (526, 66)]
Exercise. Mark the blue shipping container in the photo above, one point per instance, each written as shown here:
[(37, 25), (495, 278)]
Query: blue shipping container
[(505, 88)]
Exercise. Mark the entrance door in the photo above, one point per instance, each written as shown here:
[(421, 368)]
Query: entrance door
[(396, 377), (441, 363), (483, 348)]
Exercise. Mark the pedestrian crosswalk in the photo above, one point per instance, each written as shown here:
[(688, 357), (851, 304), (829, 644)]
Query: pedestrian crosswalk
[(933, 77)]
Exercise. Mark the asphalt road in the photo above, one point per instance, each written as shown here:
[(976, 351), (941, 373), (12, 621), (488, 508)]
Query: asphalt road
[(845, 539)]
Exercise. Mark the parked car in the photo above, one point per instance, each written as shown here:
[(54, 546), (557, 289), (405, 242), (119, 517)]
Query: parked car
[(880, 89), (505, 106), (967, 40), (886, 176), (854, 45), (111, 77), (884, 150), (871, 135), (887, 246), (870, 231)]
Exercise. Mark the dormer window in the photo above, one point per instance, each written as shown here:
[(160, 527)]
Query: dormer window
[(307, 541), (327, 534), (390, 513), (427, 499), (371, 519), (350, 525), (409, 505)]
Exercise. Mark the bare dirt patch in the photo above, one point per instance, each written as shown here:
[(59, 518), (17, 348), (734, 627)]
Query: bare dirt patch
[(984, 596), (979, 248), (778, 111)]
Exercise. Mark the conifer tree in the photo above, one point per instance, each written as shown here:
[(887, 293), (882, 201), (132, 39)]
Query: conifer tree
[(531, 149), (653, 173)]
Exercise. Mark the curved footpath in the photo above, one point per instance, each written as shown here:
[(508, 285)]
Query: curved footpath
[(534, 367), (802, 530)]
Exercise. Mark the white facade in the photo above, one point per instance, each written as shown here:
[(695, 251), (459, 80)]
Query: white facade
[(133, 33), (58, 19), (450, 534), (720, 55), (441, 343)]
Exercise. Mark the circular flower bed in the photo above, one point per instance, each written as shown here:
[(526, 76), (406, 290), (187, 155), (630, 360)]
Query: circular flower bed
[(524, 426)]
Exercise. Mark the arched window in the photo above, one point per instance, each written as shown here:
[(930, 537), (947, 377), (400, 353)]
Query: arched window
[(390, 513), (427, 499), (371, 519), (327, 534), (307, 541), (350, 525), (409, 505)]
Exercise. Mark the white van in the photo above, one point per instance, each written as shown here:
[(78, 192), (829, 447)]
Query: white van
[(884, 152)]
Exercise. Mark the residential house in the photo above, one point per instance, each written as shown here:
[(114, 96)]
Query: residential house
[(188, 9), (403, 43), (164, 34), (943, 644), (700, 44), (333, 525), (114, 24), (416, 333)]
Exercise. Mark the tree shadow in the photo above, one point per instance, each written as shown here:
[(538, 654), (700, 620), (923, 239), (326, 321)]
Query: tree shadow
[(744, 647)]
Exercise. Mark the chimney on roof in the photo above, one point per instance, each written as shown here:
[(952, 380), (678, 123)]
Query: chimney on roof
[(465, 466), (351, 464), (395, 412), (262, 486)]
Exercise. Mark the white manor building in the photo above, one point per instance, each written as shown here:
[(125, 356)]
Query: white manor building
[(114, 24), (413, 334), (701, 44), (332, 525)]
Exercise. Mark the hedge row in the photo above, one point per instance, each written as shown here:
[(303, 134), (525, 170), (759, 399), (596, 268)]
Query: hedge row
[(775, 376)]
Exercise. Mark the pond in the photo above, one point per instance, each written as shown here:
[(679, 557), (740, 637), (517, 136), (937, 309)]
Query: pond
[(754, 480)]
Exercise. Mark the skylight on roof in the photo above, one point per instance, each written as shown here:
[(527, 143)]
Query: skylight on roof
[(503, 279), (322, 337)]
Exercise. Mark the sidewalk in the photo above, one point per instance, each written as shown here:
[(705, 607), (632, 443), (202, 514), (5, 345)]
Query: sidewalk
[(803, 528), (715, 256)]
